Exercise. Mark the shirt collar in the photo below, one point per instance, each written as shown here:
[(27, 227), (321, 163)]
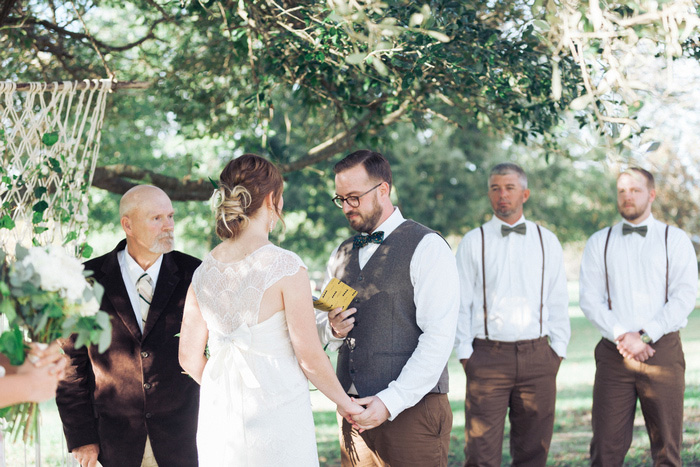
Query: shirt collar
[(648, 222), (135, 270), (498, 222), (391, 224)]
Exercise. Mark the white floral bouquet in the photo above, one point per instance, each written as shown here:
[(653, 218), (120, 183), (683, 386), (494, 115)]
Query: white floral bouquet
[(46, 295)]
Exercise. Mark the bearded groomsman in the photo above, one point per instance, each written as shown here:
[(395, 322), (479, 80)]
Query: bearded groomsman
[(638, 285), (513, 327)]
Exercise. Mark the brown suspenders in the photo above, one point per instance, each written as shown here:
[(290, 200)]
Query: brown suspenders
[(483, 276), (605, 261)]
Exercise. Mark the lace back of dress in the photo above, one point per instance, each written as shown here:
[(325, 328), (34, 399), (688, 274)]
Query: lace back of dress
[(229, 294)]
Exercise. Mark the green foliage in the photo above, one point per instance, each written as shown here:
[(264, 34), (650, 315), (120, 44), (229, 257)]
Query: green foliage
[(12, 345), (224, 68), (49, 139)]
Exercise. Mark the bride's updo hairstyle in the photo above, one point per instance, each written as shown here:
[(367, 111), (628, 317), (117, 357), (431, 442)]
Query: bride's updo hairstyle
[(243, 185)]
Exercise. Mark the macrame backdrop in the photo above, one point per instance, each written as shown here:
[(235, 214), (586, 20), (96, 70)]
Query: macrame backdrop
[(49, 140)]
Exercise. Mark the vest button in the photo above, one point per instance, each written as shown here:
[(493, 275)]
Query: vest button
[(144, 354), (147, 385), (149, 415), (360, 278)]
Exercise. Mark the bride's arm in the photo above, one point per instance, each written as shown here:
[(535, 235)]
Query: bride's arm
[(193, 338), (313, 360)]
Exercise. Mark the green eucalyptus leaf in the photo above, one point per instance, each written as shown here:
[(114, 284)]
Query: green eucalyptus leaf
[(102, 319), (105, 340), (82, 339), (7, 308)]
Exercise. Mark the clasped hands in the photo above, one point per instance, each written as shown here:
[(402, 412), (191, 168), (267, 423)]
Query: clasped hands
[(47, 366), (368, 412), (630, 346)]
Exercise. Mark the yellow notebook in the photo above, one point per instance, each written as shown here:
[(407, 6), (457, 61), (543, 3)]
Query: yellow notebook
[(336, 294)]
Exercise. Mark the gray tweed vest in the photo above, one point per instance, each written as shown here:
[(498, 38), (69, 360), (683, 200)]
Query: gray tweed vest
[(385, 333)]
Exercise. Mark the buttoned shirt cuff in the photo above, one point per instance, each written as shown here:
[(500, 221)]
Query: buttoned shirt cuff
[(618, 330), (392, 401), (559, 348), (332, 343), (654, 330), (325, 332)]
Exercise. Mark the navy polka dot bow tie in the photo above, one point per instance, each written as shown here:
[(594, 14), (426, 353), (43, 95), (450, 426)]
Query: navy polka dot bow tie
[(362, 240)]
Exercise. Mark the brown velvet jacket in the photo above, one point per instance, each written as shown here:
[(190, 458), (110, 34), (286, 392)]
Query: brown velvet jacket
[(137, 386)]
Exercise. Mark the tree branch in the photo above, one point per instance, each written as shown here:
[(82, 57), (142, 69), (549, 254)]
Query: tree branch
[(7, 6), (341, 141), (82, 36), (119, 178)]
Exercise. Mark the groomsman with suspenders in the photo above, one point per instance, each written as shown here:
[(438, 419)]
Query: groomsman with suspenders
[(513, 327), (638, 285)]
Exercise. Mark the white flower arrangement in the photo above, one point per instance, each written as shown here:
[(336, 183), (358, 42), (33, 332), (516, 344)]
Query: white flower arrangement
[(46, 295)]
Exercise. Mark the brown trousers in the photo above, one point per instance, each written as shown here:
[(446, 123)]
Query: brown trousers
[(419, 436), (520, 376), (659, 383)]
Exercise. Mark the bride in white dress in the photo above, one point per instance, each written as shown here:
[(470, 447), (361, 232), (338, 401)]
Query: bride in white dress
[(250, 301)]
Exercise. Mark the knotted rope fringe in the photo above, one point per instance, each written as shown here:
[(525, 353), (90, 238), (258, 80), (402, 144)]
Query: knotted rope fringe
[(49, 141)]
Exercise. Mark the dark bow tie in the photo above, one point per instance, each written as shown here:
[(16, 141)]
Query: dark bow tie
[(628, 229), (362, 240), (519, 229)]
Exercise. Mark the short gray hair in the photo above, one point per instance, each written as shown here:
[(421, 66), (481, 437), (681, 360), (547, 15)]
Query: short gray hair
[(506, 168)]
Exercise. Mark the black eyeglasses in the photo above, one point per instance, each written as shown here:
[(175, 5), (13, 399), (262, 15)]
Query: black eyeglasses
[(353, 201)]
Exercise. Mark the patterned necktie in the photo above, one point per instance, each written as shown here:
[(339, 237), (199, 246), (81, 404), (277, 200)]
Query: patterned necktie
[(519, 229), (628, 229), (362, 240), (144, 286)]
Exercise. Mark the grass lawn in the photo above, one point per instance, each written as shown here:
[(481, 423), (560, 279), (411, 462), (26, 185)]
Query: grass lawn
[(572, 431)]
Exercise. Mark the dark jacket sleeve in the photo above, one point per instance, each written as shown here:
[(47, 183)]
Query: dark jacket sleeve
[(74, 398)]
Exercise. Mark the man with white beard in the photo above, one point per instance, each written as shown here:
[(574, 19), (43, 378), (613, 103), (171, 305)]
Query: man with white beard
[(132, 405)]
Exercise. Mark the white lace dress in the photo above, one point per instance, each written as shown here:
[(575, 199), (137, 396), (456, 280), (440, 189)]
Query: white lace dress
[(255, 408)]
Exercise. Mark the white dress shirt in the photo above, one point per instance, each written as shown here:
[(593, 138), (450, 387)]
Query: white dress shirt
[(131, 271), (637, 278), (513, 285), (436, 296)]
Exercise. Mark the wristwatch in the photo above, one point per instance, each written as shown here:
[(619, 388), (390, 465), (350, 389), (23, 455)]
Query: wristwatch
[(645, 337)]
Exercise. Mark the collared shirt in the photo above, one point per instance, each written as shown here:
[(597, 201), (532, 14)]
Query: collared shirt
[(435, 292), (637, 278), (131, 271), (513, 285)]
